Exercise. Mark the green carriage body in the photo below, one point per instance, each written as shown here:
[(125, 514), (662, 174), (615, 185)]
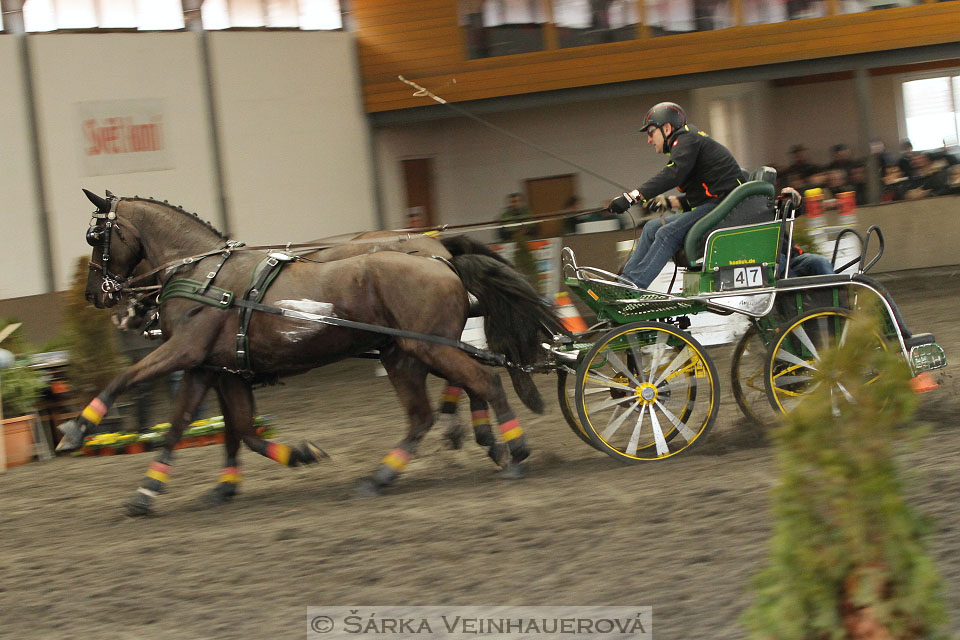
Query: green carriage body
[(731, 254)]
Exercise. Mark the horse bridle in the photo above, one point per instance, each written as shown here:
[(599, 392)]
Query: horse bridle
[(101, 237)]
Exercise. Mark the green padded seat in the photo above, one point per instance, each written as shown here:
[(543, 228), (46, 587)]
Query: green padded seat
[(750, 203)]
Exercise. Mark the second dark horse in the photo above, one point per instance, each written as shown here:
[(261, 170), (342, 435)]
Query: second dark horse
[(385, 289)]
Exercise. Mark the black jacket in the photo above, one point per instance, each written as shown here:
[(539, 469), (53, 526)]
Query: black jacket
[(700, 167)]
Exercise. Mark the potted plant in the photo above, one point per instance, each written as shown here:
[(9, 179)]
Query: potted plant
[(20, 388)]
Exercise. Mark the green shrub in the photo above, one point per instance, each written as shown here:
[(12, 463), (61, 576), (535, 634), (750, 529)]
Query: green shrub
[(20, 386), (848, 556), (91, 338)]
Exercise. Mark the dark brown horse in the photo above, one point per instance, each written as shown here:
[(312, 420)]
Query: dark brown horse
[(140, 309), (399, 293)]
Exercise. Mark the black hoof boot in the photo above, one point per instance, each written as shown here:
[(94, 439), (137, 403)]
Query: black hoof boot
[(308, 453), (453, 438), (514, 471), (139, 505), (368, 487), (72, 438), (500, 454), (220, 494)]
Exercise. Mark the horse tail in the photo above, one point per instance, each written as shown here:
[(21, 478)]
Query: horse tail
[(462, 245), (515, 317)]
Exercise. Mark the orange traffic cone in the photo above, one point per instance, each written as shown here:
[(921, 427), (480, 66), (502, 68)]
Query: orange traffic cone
[(569, 316), (923, 382)]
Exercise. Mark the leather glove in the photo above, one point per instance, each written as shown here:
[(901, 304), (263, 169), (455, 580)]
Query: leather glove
[(623, 202), (660, 204)]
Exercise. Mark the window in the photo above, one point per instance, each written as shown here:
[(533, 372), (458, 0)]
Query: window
[(931, 111), (855, 6), (302, 14), (583, 22), (49, 15), (502, 27)]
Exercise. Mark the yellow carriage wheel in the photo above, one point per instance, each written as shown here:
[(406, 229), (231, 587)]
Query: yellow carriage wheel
[(795, 356), (646, 391)]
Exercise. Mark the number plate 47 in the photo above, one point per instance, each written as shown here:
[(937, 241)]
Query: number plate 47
[(745, 277)]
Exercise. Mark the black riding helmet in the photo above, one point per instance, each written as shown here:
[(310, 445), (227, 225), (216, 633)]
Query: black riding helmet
[(663, 113)]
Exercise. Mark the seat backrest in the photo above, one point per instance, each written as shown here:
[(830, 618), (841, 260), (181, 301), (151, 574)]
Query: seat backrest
[(750, 203), (764, 174)]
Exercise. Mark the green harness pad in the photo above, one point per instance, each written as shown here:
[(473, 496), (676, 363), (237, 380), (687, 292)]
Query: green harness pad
[(264, 274), (194, 290)]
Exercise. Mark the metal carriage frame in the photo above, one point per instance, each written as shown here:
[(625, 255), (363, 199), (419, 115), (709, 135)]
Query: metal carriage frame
[(638, 387)]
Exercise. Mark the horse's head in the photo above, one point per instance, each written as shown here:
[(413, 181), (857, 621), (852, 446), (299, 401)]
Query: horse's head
[(116, 251)]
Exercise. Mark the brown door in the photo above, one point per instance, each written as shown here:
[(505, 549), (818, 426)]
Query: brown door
[(418, 180), (550, 195)]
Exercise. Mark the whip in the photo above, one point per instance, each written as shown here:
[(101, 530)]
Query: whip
[(423, 92)]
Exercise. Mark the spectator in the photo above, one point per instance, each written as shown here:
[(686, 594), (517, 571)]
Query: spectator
[(953, 180), (906, 153), (857, 180), (840, 157), (801, 165), (879, 150), (895, 184), (929, 178), (516, 208)]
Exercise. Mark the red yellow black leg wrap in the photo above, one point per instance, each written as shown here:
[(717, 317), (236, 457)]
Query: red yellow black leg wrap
[(278, 453), (450, 398), (231, 474), (391, 466), (94, 412)]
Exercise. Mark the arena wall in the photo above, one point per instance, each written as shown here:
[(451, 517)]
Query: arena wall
[(20, 240), (296, 155), (296, 148), (70, 69)]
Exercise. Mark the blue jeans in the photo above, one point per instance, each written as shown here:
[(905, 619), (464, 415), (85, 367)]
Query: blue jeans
[(807, 264), (658, 242)]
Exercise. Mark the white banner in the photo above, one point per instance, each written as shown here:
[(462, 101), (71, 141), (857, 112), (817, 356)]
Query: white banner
[(123, 136)]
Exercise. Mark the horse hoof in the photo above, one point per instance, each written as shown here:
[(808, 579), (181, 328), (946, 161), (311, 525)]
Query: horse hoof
[(72, 436), (139, 505), (367, 488), (219, 495), (453, 440), (514, 471), (316, 452)]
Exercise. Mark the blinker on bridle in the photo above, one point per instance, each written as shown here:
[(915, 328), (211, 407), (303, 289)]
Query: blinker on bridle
[(100, 237)]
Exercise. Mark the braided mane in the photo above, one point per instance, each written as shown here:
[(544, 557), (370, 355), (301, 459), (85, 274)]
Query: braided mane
[(183, 211)]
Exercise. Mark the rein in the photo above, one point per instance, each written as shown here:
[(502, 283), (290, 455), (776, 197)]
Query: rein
[(118, 284)]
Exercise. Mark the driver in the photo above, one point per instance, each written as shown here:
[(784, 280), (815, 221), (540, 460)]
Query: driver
[(701, 168)]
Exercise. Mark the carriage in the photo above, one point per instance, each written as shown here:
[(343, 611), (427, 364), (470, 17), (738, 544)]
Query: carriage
[(638, 387)]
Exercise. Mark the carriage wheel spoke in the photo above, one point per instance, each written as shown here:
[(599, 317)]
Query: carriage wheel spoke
[(620, 367), (805, 340), (843, 334), (662, 448), (684, 430), (846, 394), (637, 353), (615, 422), (658, 351), (786, 356), (635, 436), (681, 359), (606, 404), (605, 382)]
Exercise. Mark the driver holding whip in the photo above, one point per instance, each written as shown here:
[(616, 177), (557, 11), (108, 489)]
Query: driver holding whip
[(702, 169)]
